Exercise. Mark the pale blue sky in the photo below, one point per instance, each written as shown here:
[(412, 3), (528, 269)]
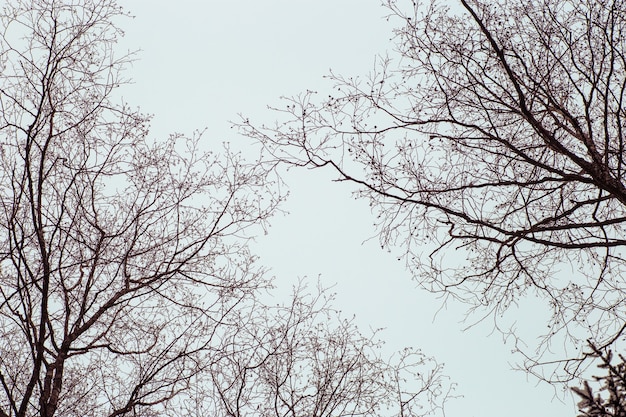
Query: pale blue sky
[(202, 62)]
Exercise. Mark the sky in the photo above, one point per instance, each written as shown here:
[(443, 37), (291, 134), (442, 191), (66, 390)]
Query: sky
[(204, 62)]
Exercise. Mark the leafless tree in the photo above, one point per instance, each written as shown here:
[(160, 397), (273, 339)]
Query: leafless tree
[(120, 256), (304, 359), (492, 151)]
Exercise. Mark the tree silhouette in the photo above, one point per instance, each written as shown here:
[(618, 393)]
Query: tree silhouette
[(121, 256), (305, 359), (491, 151)]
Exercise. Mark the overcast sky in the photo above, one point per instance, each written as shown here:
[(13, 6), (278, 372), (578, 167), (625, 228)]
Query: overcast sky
[(203, 62)]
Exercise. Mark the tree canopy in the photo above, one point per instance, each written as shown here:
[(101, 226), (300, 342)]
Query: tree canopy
[(490, 145)]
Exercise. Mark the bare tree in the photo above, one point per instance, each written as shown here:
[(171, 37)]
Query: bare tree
[(492, 152), (304, 359), (120, 255)]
